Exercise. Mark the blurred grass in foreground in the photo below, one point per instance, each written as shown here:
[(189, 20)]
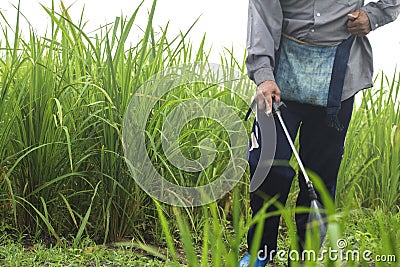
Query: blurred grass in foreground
[(63, 175)]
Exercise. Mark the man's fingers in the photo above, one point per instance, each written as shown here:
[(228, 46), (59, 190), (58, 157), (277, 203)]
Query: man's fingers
[(353, 16), (352, 24), (264, 103), (268, 102), (278, 98), (355, 25), (358, 31), (265, 95), (358, 23), (260, 103)]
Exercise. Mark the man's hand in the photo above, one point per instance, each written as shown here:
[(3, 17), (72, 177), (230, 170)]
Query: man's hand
[(358, 23), (267, 92)]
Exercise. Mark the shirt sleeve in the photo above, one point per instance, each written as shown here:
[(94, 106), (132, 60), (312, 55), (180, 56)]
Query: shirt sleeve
[(382, 12), (264, 29)]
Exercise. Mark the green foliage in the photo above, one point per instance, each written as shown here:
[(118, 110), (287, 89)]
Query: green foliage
[(87, 254), (370, 171), (63, 174), (62, 98)]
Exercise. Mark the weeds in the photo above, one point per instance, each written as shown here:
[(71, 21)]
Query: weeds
[(63, 174)]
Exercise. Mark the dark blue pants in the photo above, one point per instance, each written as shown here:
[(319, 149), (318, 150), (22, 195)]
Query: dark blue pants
[(321, 150)]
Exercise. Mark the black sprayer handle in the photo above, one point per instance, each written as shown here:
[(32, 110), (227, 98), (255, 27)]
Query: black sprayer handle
[(275, 107)]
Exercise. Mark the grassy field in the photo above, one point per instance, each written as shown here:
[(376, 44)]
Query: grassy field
[(67, 197)]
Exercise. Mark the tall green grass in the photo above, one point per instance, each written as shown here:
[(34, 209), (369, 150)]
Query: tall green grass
[(370, 171), (61, 144), (63, 98), (63, 173)]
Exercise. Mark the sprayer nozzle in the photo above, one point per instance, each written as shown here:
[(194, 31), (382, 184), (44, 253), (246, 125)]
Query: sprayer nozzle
[(311, 191)]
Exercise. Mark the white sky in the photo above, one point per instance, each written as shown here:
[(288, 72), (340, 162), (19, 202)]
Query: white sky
[(223, 21)]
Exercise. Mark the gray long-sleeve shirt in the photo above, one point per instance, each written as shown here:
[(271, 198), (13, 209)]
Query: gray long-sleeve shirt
[(321, 22)]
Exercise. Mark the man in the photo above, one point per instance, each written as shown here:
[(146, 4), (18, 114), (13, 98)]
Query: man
[(302, 25)]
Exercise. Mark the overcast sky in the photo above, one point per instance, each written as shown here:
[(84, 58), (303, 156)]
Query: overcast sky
[(223, 21)]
